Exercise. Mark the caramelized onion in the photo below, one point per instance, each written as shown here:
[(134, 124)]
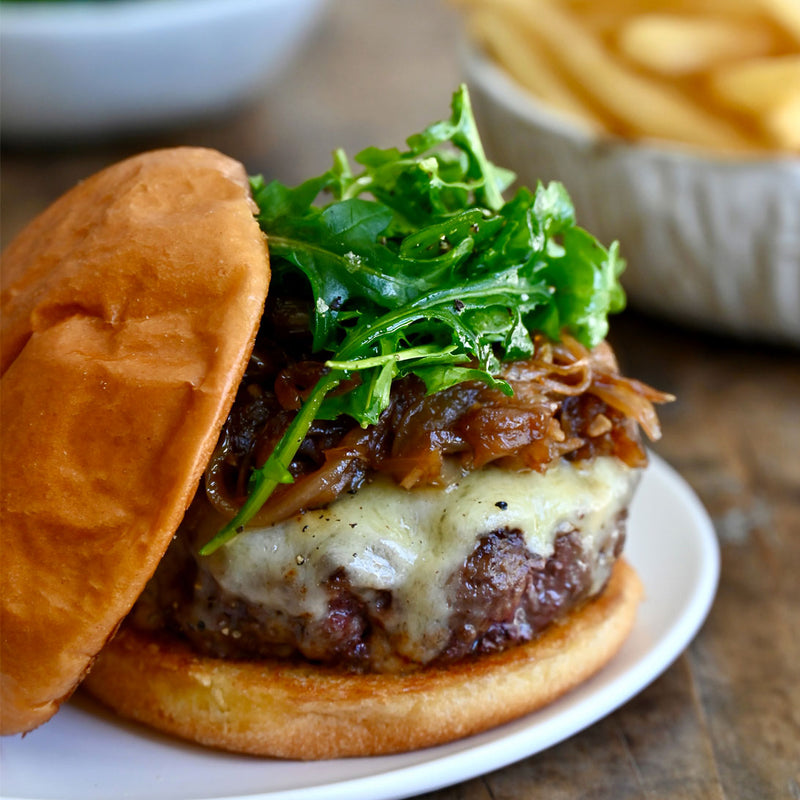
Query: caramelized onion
[(568, 402), (344, 470)]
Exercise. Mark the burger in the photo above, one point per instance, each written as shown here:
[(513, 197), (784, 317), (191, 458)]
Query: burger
[(339, 469)]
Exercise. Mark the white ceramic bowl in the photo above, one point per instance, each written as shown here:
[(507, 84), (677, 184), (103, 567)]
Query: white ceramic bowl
[(710, 241), (88, 68)]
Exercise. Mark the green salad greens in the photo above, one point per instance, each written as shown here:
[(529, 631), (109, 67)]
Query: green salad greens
[(418, 266)]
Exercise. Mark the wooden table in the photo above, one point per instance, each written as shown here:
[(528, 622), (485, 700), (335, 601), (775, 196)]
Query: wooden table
[(724, 720)]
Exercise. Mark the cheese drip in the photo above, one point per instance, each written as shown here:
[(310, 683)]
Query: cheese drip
[(409, 543)]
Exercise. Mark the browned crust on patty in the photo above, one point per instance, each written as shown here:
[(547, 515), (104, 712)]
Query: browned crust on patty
[(301, 711), (129, 309)]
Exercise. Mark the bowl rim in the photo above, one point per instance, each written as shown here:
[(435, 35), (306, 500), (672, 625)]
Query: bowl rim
[(481, 68), (96, 17)]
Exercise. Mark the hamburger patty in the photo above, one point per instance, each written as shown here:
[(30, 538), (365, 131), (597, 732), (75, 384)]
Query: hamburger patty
[(387, 602)]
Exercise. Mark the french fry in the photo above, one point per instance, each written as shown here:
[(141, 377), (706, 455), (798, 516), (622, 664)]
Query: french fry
[(649, 108), (757, 85), (529, 66), (783, 122), (787, 14), (719, 74), (624, 9), (672, 44)]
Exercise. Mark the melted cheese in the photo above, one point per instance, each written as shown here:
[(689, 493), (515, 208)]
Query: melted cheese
[(410, 542)]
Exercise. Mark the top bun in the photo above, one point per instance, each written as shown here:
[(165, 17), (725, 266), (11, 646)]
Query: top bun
[(129, 310)]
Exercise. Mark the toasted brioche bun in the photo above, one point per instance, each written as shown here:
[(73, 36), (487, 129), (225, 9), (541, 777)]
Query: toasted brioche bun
[(289, 710), (129, 310)]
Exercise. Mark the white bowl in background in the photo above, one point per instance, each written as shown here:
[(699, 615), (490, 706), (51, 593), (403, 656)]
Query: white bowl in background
[(88, 68), (712, 241)]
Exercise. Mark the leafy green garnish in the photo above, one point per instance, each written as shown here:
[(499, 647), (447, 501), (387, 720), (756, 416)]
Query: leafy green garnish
[(419, 267)]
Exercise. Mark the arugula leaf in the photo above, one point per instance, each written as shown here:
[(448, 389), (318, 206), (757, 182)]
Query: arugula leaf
[(417, 266)]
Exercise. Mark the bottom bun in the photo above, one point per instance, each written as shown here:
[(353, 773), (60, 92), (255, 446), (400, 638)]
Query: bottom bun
[(302, 711)]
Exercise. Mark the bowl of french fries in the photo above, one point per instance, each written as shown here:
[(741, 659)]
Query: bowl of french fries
[(675, 125)]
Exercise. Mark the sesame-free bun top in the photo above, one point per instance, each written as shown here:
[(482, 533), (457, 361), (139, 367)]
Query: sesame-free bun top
[(129, 310)]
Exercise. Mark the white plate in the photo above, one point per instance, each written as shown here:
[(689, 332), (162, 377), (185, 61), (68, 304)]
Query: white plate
[(85, 753)]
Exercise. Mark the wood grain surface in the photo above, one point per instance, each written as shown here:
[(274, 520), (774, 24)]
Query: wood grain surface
[(724, 720)]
